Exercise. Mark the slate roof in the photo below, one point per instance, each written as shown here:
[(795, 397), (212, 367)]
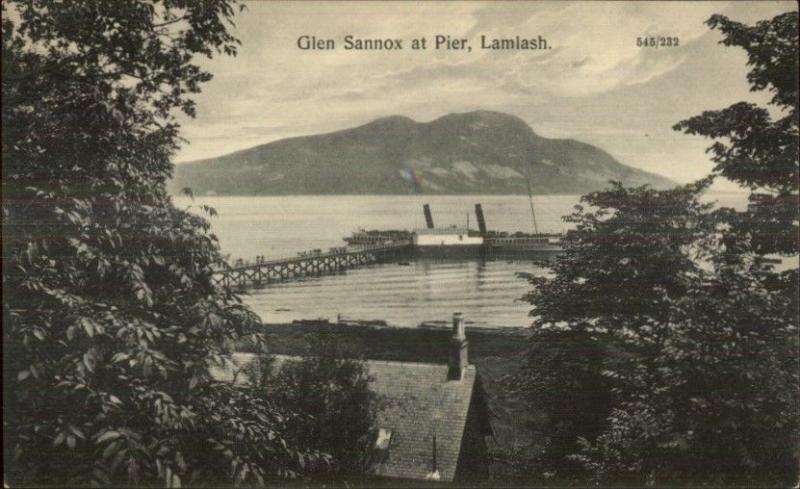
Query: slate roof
[(416, 402)]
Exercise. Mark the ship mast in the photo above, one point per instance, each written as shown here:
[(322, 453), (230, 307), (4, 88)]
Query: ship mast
[(530, 198)]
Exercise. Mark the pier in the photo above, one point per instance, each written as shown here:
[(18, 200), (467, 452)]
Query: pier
[(372, 247), (264, 271)]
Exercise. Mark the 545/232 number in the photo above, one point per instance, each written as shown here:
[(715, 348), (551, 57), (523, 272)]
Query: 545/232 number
[(657, 42)]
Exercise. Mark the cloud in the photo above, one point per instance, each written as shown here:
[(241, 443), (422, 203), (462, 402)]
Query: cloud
[(595, 78)]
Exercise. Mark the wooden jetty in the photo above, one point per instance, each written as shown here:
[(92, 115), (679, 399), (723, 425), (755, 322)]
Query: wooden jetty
[(265, 271)]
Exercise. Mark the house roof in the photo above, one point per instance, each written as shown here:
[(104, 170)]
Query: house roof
[(416, 403)]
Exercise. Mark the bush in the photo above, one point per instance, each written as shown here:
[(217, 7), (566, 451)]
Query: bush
[(330, 392)]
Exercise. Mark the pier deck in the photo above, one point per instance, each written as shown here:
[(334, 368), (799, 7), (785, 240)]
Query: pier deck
[(264, 271)]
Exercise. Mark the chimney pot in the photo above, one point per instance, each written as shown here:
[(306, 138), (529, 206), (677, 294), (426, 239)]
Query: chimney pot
[(458, 326), (458, 349)]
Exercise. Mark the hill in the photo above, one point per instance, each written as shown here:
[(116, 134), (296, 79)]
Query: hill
[(471, 153)]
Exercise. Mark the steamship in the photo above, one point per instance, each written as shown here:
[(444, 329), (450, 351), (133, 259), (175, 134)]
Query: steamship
[(375, 237), (459, 242), (462, 242)]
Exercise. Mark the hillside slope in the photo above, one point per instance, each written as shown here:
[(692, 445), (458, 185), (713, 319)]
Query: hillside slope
[(470, 153)]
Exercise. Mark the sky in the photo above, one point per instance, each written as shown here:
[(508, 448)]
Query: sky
[(593, 84)]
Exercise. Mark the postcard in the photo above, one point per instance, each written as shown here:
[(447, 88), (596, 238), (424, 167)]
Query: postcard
[(400, 244)]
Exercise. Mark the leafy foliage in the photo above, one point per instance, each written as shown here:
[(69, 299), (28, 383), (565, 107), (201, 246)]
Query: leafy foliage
[(680, 338), (716, 404), (336, 409), (606, 307), (750, 147), (111, 319)]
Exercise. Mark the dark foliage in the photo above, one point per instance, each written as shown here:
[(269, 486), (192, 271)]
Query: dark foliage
[(110, 318), (751, 147), (335, 409), (678, 335), (606, 309)]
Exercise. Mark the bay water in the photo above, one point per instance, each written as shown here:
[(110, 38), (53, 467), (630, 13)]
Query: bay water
[(488, 293)]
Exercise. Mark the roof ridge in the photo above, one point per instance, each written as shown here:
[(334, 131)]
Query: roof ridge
[(413, 364), (366, 360)]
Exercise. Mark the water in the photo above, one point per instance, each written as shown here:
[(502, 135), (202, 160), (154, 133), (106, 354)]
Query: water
[(487, 292)]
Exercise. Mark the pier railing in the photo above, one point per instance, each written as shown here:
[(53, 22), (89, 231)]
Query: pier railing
[(263, 271)]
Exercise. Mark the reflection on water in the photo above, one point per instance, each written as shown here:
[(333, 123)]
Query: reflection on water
[(423, 291), (426, 290)]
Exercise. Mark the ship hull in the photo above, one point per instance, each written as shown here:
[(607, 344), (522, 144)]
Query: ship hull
[(445, 251), (519, 252), (543, 244)]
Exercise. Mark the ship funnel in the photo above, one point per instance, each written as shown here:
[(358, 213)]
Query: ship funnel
[(481, 221), (428, 216)]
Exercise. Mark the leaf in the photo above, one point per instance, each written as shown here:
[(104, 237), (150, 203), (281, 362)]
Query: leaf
[(111, 449), (76, 431), (108, 435), (118, 460), (171, 479), (59, 439), (243, 472), (89, 360), (22, 375), (120, 357), (88, 326), (180, 461)]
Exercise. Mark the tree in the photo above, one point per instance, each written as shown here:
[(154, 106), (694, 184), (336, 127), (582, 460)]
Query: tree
[(757, 147), (111, 319), (720, 406), (697, 333), (330, 392), (604, 310), (750, 147)]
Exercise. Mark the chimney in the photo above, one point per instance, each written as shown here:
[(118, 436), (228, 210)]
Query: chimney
[(428, 216), (481, 222), (458, 349)]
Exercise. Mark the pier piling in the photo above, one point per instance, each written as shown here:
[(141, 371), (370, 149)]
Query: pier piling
[(264, 271)]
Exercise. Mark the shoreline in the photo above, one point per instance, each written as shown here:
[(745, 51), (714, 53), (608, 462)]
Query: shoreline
[(382, 325), (383, 342)]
